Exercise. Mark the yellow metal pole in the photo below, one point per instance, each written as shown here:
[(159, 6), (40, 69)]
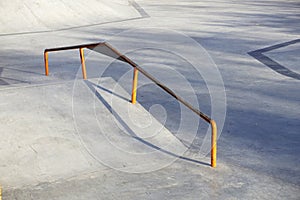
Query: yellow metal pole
[(0, 193), (82, 63), (134, 85), (46, 64), (213, 143)]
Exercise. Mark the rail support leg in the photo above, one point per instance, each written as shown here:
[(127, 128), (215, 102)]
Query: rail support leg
[(82, 63), (46, 63), (213, 143), (134, 85)]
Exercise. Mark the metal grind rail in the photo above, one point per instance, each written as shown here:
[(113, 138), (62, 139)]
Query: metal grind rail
[(137, 69)]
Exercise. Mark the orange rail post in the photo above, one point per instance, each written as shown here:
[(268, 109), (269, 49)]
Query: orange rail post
[(213, 143), (46, 63), (134, 85), (82, 63)]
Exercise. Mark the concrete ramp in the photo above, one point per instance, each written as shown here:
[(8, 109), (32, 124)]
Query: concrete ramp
[(19, 16), (131, 139), (59, 131)]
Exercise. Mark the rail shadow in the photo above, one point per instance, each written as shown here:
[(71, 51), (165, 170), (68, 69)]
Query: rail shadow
[(92, 86)]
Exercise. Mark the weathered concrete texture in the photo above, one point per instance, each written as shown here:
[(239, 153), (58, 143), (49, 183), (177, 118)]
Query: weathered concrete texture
[(179, 181), (52, 137), (39, 143), (44, 16), (51, 149)]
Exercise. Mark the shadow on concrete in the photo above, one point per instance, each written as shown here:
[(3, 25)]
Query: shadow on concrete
[(92, 86), (7, 81), (258, 54)]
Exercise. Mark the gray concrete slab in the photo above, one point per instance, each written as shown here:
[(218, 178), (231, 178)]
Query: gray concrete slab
[(258, 147), (69, 141)]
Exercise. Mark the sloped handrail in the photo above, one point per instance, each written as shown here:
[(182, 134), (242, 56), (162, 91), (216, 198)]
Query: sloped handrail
[(137, 69)]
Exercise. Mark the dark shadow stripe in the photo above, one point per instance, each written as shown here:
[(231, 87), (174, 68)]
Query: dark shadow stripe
[(258, 55), (138, 8), (277, 46), (91, 86)]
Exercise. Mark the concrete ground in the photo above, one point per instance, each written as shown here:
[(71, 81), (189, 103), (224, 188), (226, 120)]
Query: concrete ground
[(65, 138)]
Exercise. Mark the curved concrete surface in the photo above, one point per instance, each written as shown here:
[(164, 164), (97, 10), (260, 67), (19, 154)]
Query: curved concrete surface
[(41, 156), (43, 15)]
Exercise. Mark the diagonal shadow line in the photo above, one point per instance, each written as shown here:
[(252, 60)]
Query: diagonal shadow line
[(258, 55), (18, 70), (69, 28), (3, 82), (108, 91), (277, 46), (138, 8), (90, 85), (29, 72)]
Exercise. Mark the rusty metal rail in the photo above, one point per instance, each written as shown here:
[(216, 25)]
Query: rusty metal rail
[(137, 69), (81, 52)]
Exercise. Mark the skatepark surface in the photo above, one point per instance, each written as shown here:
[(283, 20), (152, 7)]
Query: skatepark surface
[(63, 137)]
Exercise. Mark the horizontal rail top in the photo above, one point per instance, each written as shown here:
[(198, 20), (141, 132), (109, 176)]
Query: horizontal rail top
[(92, 45), (124, 58), (110, 51)]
